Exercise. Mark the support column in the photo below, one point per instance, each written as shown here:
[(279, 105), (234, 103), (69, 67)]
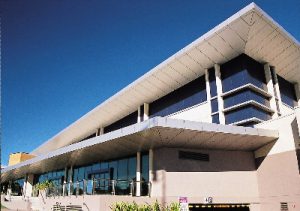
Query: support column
[(297, 92), (70, 179), (277, 91), (146, 111), (219, 94), (138, 174), (28, 185), (208, 96), (151, 171), (270, 88), (65, 181), (139, 114)]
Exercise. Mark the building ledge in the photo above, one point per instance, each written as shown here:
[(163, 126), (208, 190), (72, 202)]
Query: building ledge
[(153, 133)]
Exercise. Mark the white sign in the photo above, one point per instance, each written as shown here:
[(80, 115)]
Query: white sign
[(208, 200), (184, 205)]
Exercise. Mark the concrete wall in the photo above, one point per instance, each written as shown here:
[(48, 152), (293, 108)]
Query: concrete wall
[(15, 158), (229, 177), (198, 113), (278, 166)]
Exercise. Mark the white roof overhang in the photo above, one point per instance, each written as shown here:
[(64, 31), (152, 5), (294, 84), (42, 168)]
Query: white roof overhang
[(153, 133), (250, 31)]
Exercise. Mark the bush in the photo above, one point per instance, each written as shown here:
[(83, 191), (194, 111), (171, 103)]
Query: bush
[(44, 185), (127, 206)]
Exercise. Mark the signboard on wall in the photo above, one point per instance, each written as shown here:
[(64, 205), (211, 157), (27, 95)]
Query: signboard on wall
[(208, 200), (183, 203)]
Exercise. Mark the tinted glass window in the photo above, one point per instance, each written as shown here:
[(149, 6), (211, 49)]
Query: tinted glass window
[(124, 122), (212, 82), (214, 105), (287, 91), (240, 71), (122, 169), (246, 113), (190, 94), (132, 168), (243, 96), (215, 118), (145, 167)]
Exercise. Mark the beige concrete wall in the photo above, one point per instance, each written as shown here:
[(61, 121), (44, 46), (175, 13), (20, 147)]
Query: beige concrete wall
[(288, 135), (229, 176), (198, 113), (278, 172)]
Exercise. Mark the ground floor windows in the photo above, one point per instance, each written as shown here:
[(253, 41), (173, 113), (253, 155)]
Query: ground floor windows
[(219, 207)]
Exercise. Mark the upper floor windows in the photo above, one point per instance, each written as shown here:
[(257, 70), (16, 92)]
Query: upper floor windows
[(186, 96), (240, 71), (287, 92)]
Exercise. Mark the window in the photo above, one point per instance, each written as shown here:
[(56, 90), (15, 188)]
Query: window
[(240, 71), (215, 118), (124, 122), (214, 105), (287, 91), (244, 113), (188, 95), (212, 82), (243, 96)]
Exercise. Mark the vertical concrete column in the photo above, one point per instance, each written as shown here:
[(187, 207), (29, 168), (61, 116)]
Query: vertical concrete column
[(146, 111), (297, 92), (151, 170), (138, 174), (139, 114), (270, 88), (277, 90), (101, 132), (28, 185), (70, 179), (219, 94), (208, 95), (65, 181)]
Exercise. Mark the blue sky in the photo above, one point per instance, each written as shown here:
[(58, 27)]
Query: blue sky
[(61, 58)]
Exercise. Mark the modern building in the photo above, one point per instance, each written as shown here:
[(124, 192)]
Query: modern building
[(218, 122)]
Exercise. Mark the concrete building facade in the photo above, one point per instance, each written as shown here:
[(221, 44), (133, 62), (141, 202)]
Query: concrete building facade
[(218, 122)]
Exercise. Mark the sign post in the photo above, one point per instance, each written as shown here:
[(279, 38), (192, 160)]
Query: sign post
[(183, 203)]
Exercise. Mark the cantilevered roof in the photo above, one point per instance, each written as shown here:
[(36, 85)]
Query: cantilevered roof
[(250, 31), (150, 134)]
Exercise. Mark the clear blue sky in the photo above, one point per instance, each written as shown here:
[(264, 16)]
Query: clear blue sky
[(61, 58)]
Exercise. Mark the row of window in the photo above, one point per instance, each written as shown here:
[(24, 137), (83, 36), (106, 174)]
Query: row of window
[(121, 169), (238, 72)]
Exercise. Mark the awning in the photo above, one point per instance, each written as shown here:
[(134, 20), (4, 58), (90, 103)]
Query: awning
[(153, 133)]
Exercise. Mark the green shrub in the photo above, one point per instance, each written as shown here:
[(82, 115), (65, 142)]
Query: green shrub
[(127, 206), (44, 185)]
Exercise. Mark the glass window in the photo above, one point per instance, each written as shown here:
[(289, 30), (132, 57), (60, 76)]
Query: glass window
[(246, 112), (124, 122), (243, 96), (240, 71), (212, 82), (122, 169), (215, 118), (186, 96), (145, 167), (132, 168), (287, 92), (214, 105), (113, 168)]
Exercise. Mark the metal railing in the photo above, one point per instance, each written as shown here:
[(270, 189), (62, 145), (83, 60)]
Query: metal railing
[(99, 186)]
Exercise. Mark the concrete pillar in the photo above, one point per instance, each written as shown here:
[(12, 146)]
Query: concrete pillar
[(139, 114), (138, 173), (270, 88), (151, 170), (65, 181), (146, 111), (208, 96), (70, 179), (219, 94), (297, 92), (28, 185)]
